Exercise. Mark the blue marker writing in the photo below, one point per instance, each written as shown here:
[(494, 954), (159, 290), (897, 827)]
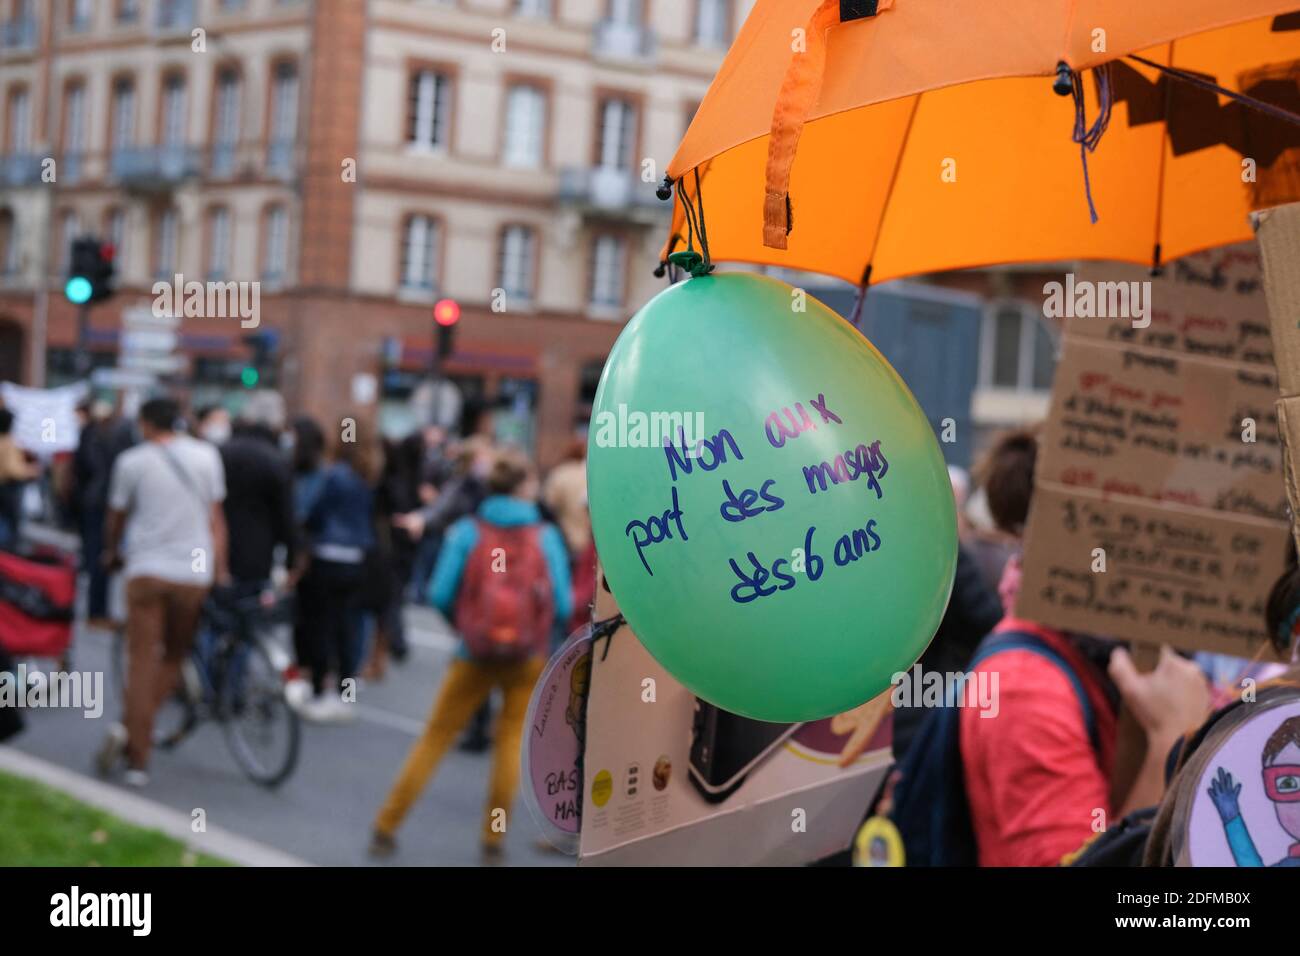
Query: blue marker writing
[(656, 529)]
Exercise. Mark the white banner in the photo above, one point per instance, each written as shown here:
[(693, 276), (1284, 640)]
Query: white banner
[(45, 419)]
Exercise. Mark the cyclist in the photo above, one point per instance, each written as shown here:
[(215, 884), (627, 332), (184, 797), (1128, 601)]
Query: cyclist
[(167, 529)]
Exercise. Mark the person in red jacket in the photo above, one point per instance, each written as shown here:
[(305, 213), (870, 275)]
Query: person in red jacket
[(1038, 768)]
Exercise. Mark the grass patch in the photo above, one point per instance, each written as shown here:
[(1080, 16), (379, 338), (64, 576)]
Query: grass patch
[(41, 826)]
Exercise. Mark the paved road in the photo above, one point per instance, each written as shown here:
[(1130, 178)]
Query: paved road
[(322, 814)]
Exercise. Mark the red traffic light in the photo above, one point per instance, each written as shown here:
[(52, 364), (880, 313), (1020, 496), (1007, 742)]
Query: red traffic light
[(446, 312)]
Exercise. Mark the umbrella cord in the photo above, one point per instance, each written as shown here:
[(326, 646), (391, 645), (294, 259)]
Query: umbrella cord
[(695, 227), (607, 629), (666, 266), (689, 212), (692, 222), (1088, 137), (855, 317), (704, 232)]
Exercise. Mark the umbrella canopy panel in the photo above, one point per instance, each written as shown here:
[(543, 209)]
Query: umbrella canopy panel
[(986, 172)]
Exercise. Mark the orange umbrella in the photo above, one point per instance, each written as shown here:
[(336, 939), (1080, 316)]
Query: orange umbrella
[(926, 135)]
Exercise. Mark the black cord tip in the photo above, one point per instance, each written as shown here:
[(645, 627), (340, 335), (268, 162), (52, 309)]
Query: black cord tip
[(1063, 85), (665, 190)]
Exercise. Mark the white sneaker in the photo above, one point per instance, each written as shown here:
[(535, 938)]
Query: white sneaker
[(112, 750), (297, 692), (319, 710), (136, 778)]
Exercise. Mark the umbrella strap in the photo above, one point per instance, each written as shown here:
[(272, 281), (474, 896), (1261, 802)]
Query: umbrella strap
[(800, 90), (1089, 136)]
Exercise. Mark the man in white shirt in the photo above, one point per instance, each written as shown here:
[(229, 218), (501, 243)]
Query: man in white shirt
[(167, 532)]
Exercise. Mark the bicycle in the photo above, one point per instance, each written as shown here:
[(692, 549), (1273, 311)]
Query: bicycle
[(236, 676)]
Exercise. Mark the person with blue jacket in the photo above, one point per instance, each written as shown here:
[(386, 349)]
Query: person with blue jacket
[(503, 576), (503, 511), (340, 532)]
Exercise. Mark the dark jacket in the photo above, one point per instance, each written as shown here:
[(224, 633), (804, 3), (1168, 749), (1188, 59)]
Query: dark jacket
[(259, 503), (91, 466), (341, 516), (973, 611), (92, 463)]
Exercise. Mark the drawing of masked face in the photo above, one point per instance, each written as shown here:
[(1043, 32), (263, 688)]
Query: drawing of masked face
[(1282, 784)]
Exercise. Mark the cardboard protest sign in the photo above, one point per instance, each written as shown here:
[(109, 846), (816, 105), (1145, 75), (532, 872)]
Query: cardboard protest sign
[(1209, 305), (1279, 242), (1154, 426), (670, 780), (1172, 574), (1159, 510)]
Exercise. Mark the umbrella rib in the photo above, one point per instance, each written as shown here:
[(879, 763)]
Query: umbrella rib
[(889, 195), (1160, 176), (855, 317), (1071, 11)]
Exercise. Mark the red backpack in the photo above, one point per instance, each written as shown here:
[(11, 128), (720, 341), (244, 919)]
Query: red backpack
[(505, 613)]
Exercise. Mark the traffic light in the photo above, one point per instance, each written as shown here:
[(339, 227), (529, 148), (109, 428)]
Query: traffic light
[(446, 313), (264, 346), (90, 271)]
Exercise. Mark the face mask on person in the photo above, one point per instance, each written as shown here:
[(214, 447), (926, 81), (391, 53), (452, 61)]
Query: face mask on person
[(217, 432)]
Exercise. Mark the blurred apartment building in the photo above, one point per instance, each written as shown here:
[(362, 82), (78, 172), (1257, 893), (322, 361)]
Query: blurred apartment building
[(361, 159)]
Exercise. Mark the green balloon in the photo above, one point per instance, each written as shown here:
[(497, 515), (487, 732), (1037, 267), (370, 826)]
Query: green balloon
[(768, 500)]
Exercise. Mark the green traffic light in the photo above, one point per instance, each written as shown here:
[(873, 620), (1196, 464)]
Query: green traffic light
[(78, 290), (249, 377)]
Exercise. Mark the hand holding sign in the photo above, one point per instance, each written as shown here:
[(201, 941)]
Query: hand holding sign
[(779, 530)]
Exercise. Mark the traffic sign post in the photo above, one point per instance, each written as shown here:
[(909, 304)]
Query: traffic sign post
[(147, 349), (83, 363)]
